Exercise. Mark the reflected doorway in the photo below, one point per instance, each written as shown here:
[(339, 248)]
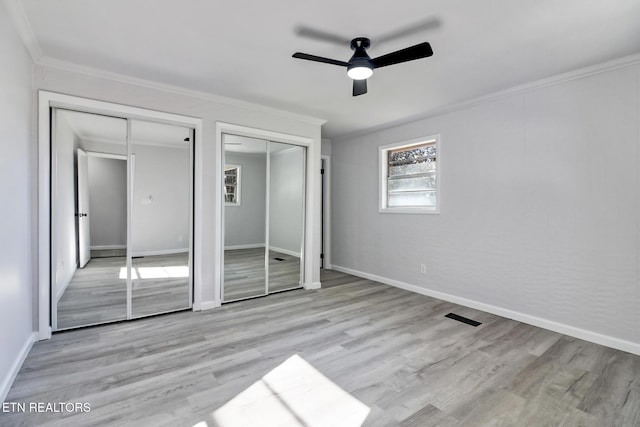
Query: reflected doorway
[(120, 218)]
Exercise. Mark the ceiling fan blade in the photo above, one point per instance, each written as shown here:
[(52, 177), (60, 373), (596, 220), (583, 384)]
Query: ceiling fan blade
[(324, 36), (359, 87), (417, 27), (319, 59), (418, 51)]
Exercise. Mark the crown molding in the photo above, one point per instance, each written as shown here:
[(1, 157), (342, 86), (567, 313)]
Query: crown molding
[(19, 18), (54, 63), (625, 61), (21, 22)]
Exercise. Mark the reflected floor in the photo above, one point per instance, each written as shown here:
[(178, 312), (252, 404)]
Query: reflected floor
[(98, 292), (244, 274)]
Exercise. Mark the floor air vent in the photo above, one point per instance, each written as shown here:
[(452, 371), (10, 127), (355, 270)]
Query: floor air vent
[(463, 319)]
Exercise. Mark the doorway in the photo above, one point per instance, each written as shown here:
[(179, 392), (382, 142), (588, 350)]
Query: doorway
[(264, 217), (121, 218)]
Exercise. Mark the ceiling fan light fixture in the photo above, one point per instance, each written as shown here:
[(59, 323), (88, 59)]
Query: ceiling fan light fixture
[(360, 73)]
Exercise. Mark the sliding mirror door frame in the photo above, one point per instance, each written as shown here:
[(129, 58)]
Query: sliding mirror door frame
[(233, 130), (51, 100)]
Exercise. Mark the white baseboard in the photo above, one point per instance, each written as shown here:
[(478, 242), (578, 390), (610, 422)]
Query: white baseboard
[(206, 305), (313, 285), (44, 334), (250, 246), (161, 252), (284, 251), (551, 325), (66, 283), (10, 376), (107, 247)]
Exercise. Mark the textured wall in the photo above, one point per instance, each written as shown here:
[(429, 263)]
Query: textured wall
[(539, 205)]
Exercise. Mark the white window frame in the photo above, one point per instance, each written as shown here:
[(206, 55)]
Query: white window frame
[(383, 171), (238, 183)]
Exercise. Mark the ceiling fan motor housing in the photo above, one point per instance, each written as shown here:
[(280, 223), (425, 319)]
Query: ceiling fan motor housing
[(360, 58)]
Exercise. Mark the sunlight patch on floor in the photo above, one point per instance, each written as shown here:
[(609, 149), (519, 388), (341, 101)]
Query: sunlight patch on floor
[(292, 394), (169, 272)]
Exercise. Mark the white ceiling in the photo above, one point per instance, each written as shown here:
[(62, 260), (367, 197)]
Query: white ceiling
[(242, 48), (98, 128), (245, 144)]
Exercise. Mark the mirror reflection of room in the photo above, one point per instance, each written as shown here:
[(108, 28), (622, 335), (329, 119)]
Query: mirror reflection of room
[(264, 217), (160, 218), (245, 188), (286, 214), (90, 218)]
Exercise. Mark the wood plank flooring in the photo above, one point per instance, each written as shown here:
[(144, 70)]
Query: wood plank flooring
[(390, 350), (98, 292), (244, 273)]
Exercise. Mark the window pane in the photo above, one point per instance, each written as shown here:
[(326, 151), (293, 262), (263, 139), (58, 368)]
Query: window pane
[(420, 183), (412, 168), (413, 199)]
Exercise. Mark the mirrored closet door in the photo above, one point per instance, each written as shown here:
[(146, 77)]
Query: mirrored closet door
[(120, 218), (286, 215), (160, 218), (88, 219), (264, 193)]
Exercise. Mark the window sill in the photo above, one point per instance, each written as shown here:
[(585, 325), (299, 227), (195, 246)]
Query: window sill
[(428, 211)]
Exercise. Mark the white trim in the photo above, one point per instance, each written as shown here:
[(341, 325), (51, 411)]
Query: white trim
[(382, 175), (615, 64), (249, 246), (312, 285), (160, 252), (238, 183), (47, 100), (107, 247), (206, 305), (310, 193), (10, 376), (97, 140), (327, 210), (551, 325), (178, 90), (284, 251), (130, 187), (106, 155)]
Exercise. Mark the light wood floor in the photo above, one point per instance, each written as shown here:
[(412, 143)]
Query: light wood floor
[(98, 292), (392, 350), (244, 273)]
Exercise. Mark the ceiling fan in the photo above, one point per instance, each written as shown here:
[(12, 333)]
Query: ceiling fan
[(360, 67)]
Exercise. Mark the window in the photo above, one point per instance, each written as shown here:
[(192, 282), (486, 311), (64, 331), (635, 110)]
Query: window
[(409, 176), (232, 185)]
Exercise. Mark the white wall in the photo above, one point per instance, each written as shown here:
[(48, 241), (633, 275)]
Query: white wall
[(244, 225), (160, 202), (16, 187), (539, 207), (108, 202), (66, 143), (286, 202), (326, 147)]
